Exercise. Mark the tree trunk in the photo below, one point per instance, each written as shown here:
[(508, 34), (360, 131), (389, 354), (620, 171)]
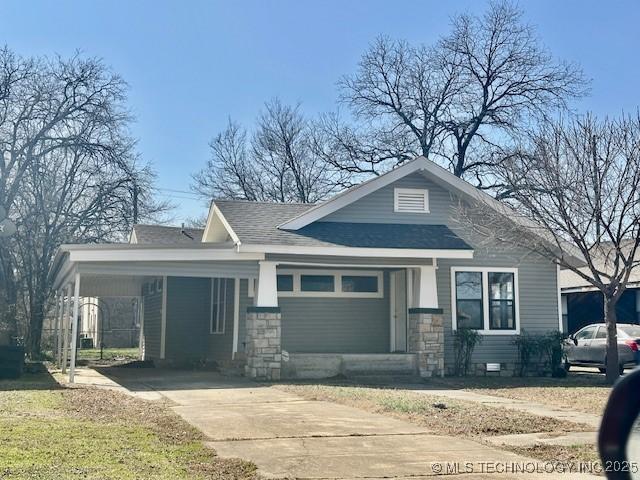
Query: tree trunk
[(612, 361), (8, 284)]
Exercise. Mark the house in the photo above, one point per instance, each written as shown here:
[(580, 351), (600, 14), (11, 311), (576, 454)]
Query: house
[(375, 279), (583, 304)]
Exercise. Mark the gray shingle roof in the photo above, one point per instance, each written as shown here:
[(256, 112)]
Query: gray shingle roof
[(162, 235), (256, 223)]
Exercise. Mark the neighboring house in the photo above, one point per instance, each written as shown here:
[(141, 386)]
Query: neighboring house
[(583, 304), (376, 279)]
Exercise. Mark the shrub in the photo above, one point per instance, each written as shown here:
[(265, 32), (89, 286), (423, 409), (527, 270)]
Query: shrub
[(543, 351), (464, 342)]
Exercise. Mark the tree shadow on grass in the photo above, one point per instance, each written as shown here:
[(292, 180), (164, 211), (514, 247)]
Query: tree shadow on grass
[(31, 381)]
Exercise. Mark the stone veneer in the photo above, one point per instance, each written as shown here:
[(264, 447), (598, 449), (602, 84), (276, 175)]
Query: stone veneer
[(426, 339), (263, 348)]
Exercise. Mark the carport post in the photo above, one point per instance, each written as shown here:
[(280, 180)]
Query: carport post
[(65, 330), (59, 320), (74, 328)]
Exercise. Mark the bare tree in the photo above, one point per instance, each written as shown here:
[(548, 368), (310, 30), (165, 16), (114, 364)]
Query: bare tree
[(67, 168), (279, 163), (460, 101), (577, 183)]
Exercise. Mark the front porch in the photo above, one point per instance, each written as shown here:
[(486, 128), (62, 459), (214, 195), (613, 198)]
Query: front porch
[(271, 318)]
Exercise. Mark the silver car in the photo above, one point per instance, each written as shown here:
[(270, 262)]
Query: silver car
[(588, 346)]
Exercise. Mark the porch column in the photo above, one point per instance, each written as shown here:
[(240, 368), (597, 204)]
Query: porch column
[(65, 330), (59, 323), (426, 332), (74, 328), (263, 328)]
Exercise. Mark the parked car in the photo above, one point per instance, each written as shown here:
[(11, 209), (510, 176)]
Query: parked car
[(588, 346)]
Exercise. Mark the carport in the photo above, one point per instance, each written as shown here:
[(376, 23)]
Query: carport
[(121, 270)]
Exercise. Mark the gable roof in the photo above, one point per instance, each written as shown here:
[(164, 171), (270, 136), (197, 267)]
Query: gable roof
[(165, 235), (257, 223)]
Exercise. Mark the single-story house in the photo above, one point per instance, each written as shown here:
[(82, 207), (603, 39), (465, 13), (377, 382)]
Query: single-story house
[(375, 279)]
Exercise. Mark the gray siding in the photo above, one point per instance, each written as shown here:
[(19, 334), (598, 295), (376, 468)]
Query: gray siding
[(377, 207), (336, 325), (187, 318), (152, 325), (537, 275)]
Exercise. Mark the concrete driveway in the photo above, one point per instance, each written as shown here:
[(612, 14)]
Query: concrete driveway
[(287, 436)]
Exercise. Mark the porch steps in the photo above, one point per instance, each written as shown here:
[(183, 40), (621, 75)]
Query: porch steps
[(366, 367)]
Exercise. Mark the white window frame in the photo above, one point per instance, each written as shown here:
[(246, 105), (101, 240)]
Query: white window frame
[(337, 282), (485, 298), (222, 307), (398, 191)]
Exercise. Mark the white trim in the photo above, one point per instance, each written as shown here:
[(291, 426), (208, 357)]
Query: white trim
[(66, 320), (560, 323), (74, 328), (163, 321), (485, 297), (392, 311), (337, 275), (141, 346), (221, 306), (59, 329), (423, 192), (214, 211), (359, 251), (160, 253), (267, 294), (236, 316)]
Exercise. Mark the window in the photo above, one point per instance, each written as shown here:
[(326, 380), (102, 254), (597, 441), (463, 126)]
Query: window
[(411, 200), (585, 333), (359, 283), (285, 283), (485, 299), (469, 300), (317, 283), (219, 291), (502, 311), (327, 283), (601, 333)]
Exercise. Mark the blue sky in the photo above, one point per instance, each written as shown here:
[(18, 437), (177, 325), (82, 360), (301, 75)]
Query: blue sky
[(192, 64)]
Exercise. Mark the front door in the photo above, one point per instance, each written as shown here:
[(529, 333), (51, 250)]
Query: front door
[(398, 294)]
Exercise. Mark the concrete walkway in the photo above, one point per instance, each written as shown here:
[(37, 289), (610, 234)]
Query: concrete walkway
[(287, 436)]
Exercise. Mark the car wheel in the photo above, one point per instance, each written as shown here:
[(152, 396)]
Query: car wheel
[(566, 365)]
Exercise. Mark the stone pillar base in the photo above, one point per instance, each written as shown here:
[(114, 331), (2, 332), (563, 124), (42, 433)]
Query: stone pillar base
[(263, 349), (426, 339)]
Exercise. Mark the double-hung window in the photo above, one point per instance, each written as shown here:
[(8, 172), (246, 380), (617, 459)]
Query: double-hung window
[(485, 299), (219, 294)]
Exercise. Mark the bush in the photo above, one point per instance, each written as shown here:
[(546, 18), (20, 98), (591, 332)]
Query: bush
[(543, 351), (464, 342)]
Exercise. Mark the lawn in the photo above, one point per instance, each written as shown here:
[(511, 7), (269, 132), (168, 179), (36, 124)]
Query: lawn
[(109, 354), (438, 414), (50, 432), (582, 392)]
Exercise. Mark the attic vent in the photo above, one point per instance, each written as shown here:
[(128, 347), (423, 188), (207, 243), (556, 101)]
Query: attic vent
[(411, 200)]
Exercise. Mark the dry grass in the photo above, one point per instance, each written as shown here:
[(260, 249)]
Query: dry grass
[(572, 455), (583, 392), (437, 414), (58, 433)]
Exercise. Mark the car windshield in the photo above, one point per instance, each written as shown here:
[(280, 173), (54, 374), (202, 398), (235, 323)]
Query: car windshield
[(631, 330)]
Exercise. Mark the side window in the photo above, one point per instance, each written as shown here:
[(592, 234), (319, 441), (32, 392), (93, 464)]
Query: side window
[(585, 334), (602, 333)]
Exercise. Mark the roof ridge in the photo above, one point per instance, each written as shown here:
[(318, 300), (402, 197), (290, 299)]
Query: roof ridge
[(156, 225), (262, 202)]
